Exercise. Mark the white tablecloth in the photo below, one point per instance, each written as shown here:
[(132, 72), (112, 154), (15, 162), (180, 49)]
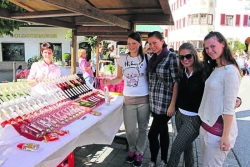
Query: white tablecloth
[(66, 70), (91, 130)]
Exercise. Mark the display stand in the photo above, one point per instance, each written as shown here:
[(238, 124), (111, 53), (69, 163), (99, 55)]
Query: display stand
[(82, 127)]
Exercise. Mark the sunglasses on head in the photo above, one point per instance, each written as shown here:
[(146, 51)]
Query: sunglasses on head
[(187, 56)]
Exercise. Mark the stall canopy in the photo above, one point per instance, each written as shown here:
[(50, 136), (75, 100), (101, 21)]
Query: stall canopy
[(109, 19)]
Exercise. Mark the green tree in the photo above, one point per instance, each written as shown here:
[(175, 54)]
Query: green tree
[(8, 26), (236, 45)]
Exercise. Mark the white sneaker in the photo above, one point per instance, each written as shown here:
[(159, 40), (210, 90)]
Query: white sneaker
[(151, 164), (162, 164)]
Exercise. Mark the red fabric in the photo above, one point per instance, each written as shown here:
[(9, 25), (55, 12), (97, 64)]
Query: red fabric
[(68, 161), (112, 88), (23, 74)]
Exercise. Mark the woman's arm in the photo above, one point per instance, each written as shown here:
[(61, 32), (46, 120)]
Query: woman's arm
[(175, 76), (171, 108), (224, 142), (231, 84), (117, 79)]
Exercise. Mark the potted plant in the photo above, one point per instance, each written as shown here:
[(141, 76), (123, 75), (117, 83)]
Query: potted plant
[(66, 57)]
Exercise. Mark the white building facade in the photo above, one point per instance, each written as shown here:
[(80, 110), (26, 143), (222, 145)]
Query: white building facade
[(194, 19), (26, 42)]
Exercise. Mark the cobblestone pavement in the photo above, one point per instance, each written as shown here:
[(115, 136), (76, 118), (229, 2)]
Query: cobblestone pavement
[(114, 155)]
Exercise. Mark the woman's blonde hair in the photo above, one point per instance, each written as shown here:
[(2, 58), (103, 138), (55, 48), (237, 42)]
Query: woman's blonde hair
[(81, 51)]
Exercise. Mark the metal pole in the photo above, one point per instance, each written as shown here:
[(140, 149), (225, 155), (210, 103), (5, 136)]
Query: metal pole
[(14, 71)]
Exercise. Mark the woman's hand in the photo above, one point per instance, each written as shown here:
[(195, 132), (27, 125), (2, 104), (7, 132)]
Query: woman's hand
[(171, 110), (224, 144), (106, 81)]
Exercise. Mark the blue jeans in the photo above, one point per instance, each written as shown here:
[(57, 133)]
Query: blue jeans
[(89, 80)]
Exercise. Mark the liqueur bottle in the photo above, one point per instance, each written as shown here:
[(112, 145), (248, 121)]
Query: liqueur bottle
[(68, 94)]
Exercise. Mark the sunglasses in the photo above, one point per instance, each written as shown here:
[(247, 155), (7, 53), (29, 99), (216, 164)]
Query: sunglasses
[(187, 56)]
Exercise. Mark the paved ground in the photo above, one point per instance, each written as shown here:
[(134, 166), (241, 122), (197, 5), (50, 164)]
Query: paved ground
[(114, 155), (242, 148)]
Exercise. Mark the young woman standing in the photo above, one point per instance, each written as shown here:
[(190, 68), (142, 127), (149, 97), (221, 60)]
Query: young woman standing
[(190, 91), (132, 68), (163, 88), (218, 130)]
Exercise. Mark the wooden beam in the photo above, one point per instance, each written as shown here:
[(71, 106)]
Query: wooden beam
[(118, 11), (165, 6), (83, 20), (100, 29), (84, 8), (146, 17), (22, 5), (102, 33), (42, 14), (51, 22), (5, 13), (114, 38)]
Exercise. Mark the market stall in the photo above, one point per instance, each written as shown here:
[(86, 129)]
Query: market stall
[(90, 130), (65, 112)]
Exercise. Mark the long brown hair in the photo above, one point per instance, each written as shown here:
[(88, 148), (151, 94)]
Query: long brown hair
[(227, 54)]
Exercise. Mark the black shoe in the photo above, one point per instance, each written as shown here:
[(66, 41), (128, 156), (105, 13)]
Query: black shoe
[(137, 162), (131, 157)]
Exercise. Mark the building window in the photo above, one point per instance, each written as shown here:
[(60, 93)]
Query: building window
[(197, 45), (209, 19), (246, 20), (13, 52), (194, 43), (58, 51), (229, 20), (203, 19), (195, 19), (226, 20)]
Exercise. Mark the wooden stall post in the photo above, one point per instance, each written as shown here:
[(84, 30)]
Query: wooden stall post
[(97, 57), (73, 52)]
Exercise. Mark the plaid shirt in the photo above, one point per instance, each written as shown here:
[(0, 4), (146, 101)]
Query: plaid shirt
[(160, 95)]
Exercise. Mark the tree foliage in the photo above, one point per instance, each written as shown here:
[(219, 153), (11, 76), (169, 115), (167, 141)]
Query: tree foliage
[(8, 26), (236, 45), (91, 40)]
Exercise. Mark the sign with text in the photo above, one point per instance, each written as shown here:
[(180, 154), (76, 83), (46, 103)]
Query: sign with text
[(34, 35)]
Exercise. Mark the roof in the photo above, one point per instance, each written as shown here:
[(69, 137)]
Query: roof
[(109, 19)]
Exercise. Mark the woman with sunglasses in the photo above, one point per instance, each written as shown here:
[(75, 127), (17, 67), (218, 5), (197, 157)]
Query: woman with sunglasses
[(163, 85), (44, 69), (190, 91), (218, 129)]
